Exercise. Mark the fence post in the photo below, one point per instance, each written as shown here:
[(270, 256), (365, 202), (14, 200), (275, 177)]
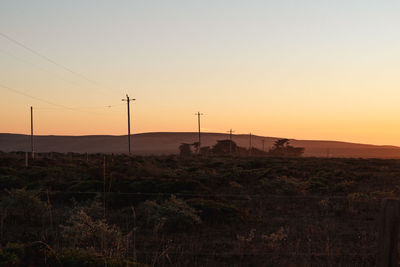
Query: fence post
[(388, 233)]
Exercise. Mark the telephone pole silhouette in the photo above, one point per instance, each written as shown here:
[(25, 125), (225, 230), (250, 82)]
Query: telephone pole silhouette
[(198, 114), (230, 138), (129, 121), (263, 147), (250, 144), (32, 144)]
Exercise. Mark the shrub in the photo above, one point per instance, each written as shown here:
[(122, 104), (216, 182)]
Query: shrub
[(281, 185), (23, 206), (215, 212), (9, 182), (88, 186), (317, 185), (76, 257), (174, 214), (82, 231), (11, 255)]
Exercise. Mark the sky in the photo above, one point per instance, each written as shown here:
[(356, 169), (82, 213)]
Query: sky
[(323, 70)]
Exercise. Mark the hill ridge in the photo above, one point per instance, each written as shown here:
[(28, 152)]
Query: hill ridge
[(168, 142)]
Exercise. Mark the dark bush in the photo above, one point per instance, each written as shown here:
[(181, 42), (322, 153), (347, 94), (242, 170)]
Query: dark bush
[(172, 215), (12, 255), (215, 212)]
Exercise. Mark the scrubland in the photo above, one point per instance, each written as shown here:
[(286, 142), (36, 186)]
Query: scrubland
[(119, 210)]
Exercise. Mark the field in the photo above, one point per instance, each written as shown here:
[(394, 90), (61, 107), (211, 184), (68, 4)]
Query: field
[(119, 210)]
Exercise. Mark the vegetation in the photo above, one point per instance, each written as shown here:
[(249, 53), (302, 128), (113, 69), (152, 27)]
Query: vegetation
[(191, 211), (281, 148)]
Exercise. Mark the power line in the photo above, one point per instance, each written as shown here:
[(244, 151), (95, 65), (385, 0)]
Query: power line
[(53, 61), (87, 107), (38, 67), (33, 97), (44, 100)]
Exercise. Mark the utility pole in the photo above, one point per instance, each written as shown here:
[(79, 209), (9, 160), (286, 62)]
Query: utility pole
[(104, 187), (198, 114), (32, 145), (250, 144), (263, 147), (129, 121), (230, 139)]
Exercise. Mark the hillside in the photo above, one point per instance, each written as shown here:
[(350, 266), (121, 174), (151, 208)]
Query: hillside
[(168, 143)]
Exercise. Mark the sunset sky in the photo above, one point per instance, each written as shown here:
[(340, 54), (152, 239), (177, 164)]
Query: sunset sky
[(326, 70)]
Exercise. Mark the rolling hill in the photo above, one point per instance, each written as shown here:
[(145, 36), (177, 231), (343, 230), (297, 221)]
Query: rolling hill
[(168, 143)]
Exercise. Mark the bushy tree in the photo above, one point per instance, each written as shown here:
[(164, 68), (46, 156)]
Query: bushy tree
[(224, 147), (282, 147)]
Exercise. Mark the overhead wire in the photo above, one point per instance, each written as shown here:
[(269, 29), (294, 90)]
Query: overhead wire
[(49, 102), (52, 73), (46, 58), (62, 66), (49, 72), (89, 107), (38, 67)]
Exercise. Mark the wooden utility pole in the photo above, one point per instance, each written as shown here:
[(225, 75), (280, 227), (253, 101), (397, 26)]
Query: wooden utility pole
[(129, 121), (104, 187), (230, 139), (250, 144), (32, 145), (198, 114)]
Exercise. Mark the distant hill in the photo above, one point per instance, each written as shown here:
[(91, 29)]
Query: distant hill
[(168, 143)]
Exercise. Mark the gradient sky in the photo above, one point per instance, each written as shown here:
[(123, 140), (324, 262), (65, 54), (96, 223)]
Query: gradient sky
[(300, 69)]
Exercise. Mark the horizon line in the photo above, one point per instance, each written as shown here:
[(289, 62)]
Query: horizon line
[(195, 132)]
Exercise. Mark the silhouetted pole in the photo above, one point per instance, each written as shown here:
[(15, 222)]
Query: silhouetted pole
[(198, 121), (263, 147), (104, 187), (250, 144), (129, 121), (32, 145), (129, 126), (230, 138)]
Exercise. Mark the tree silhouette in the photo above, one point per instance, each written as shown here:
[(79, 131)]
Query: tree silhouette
[(282, 148), (224, 147)]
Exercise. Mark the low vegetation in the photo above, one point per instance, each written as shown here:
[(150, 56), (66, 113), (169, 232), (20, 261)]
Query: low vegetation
[(119, 210), (281, 148)]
